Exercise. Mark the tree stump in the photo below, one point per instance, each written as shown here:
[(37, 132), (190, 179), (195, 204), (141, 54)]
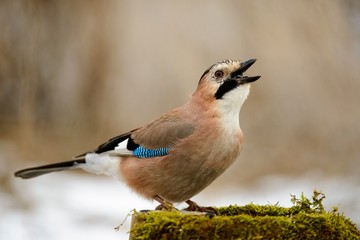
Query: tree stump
[(305, 220)]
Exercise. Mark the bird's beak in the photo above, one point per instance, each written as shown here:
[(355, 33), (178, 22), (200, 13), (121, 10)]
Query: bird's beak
[(238, 74)]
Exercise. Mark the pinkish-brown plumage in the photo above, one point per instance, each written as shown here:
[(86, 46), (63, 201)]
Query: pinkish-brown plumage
[(186, 148)]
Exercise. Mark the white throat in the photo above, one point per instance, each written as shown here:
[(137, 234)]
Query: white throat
[(230, 106)]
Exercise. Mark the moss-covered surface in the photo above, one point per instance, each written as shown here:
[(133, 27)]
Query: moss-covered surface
[(306, 219)]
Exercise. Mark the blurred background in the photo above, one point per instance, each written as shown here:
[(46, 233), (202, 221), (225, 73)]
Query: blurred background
[(75, 73)]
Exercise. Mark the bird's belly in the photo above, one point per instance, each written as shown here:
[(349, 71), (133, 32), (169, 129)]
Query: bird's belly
[(176, 177)]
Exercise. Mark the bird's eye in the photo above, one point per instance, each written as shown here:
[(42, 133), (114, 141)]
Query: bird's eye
[(219, 74)]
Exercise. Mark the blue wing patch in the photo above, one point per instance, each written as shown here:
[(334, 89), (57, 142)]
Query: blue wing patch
[(141, 152)]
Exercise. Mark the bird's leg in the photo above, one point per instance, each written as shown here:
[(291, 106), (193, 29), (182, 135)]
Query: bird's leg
[(194, 207), (163, 204)]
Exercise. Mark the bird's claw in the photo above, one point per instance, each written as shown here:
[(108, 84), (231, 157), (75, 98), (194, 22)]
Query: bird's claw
[(194, 207), (167, 207), (164, 205)]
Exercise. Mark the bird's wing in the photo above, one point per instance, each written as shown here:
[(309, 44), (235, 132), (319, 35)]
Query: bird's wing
[(109, 145), (154, 139), (163, 133)]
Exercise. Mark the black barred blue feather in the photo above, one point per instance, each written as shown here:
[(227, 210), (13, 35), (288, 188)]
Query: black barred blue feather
[(141, 152)]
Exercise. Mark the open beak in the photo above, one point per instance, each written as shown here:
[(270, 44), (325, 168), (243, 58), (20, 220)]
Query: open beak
[(238, 74)]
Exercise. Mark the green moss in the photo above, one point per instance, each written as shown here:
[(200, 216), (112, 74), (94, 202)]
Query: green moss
[(306, 219)]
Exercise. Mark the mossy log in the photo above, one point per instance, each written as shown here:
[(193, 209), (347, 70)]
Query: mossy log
[(304, 220)]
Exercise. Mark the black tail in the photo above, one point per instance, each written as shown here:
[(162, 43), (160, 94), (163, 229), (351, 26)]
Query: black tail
[(55, 167)]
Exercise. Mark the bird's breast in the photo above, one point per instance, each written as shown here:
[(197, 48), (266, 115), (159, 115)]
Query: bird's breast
[(191, 165)]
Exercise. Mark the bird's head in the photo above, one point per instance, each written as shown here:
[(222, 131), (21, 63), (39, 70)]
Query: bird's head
[(225, 82)]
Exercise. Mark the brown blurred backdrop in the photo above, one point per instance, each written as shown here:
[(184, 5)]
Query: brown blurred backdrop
[(75, 73)]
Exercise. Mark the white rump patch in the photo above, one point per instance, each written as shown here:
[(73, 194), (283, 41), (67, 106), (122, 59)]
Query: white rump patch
[(102, 164)]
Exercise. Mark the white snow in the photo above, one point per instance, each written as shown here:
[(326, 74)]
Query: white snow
[(71, 206)]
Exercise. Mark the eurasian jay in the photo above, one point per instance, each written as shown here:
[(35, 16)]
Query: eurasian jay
[(176, 156)]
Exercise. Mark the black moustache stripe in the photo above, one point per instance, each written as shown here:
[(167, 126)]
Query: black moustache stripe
[(227, 86)]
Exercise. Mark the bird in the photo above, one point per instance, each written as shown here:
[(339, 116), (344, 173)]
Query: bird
[(180, 153)]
